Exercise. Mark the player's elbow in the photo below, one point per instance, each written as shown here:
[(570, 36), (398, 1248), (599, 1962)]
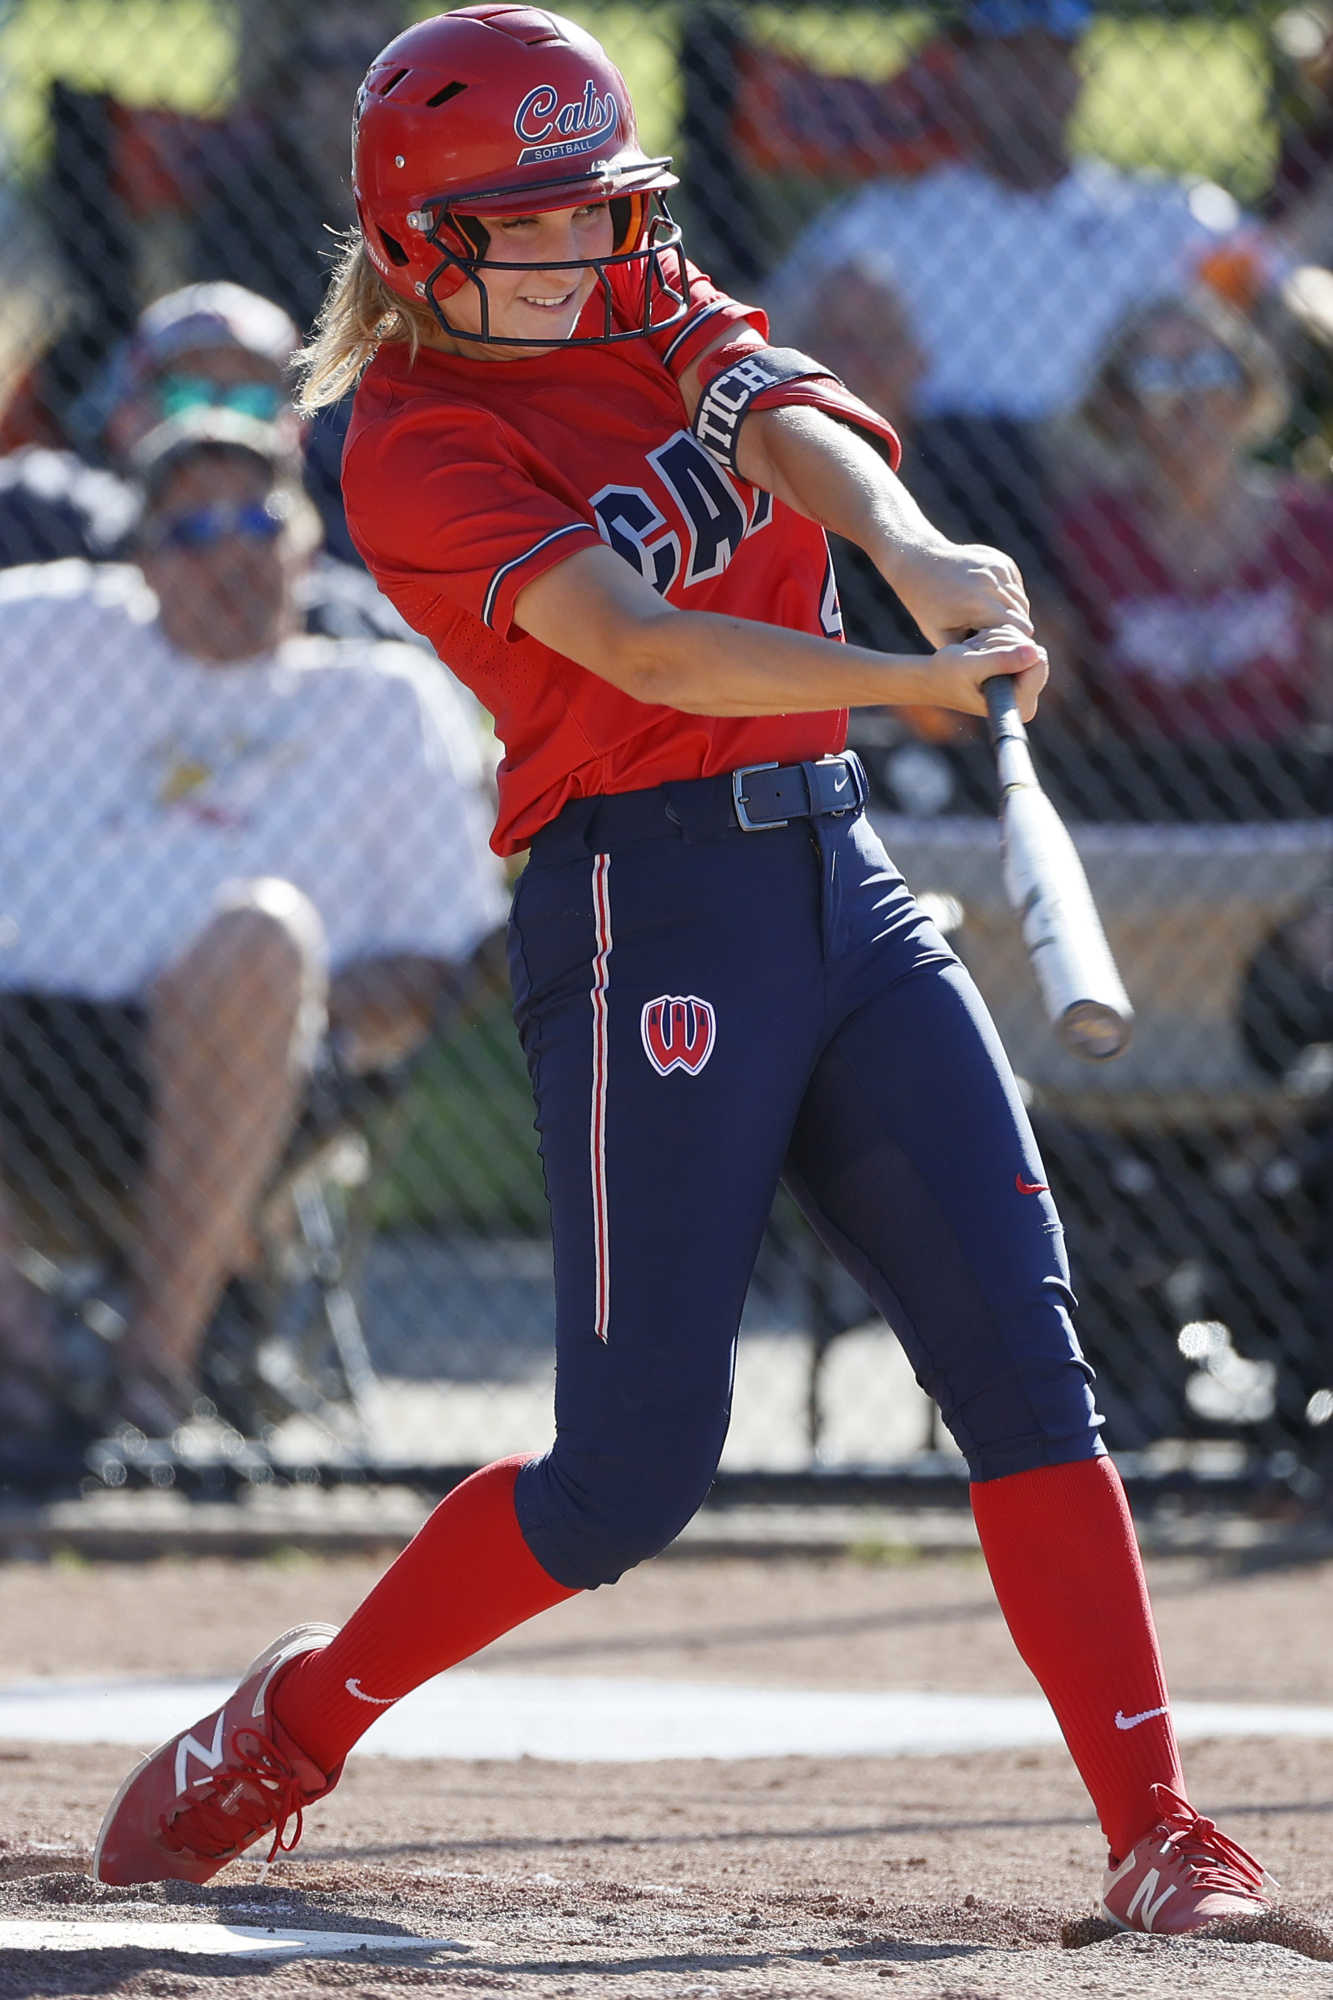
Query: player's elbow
[(651, 660)]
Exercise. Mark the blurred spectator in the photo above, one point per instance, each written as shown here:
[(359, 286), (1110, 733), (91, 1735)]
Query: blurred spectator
[(1287, 1002), (1013, 265), (1299, 207), (1300, 199), (1205, 581), (142, 197), (272, 221), (215, 839), (865, 337), (921, 761), (38, 303), (1287, 1026), (266, 224), (205, 345)]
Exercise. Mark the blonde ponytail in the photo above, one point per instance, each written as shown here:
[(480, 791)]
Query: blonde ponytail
[(359, 311)]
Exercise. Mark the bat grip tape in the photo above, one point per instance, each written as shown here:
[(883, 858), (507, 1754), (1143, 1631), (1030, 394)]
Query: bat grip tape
[(1007, 734), (1002, 707)]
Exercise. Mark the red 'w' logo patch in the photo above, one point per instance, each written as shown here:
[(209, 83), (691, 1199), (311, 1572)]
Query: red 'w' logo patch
[(678, 1033)]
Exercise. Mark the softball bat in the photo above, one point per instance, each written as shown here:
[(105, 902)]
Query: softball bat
[(1083, 992)]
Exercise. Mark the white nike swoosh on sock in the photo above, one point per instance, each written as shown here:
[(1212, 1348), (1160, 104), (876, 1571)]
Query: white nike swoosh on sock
[(1122, 1721), (378, 1701)]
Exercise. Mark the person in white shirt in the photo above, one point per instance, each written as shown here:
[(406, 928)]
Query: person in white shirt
[(220, 840), (1011, 266)]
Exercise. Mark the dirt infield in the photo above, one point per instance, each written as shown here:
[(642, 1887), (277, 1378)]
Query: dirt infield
[(1231, 1629), (951, 1876)]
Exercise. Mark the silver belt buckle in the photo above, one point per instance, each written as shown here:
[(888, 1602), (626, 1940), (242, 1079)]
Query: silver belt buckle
[(738, 800)]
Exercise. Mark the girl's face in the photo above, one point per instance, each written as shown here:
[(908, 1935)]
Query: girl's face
[(537, 303)]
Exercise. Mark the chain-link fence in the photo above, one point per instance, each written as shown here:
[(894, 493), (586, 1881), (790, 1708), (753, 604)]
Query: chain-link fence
[(265, 1131)]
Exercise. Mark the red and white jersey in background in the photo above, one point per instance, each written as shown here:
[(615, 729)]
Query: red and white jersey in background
[(1237, 657), (466, 479)]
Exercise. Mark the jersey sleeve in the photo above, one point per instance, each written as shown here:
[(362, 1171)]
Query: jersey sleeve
[(447, 507), (806, 384), (711, 312)]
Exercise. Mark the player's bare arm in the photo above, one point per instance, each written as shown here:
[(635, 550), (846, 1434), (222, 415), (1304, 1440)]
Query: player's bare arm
[(833, 475), (596, 610)]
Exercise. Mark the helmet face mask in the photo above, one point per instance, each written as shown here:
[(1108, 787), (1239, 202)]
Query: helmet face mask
[(503, 110), (657, 254)]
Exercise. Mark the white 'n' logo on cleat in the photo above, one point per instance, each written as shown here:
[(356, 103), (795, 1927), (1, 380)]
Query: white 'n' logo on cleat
[(1143, 1894), (188, 1745)]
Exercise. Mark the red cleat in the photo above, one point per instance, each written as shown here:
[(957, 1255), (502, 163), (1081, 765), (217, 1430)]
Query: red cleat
[(1181, 1875), (191, 1807)]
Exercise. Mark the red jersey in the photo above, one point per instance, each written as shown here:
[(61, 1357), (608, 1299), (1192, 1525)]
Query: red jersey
[(466, 479), (1234, 659)]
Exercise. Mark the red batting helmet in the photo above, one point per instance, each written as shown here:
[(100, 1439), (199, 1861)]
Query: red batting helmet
[(505, 110)]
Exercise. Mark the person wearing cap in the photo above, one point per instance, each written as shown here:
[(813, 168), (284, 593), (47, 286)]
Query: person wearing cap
[(212, 345), (206, 345), (1012, 265), (225, 849), (203, 345), (218, 343)]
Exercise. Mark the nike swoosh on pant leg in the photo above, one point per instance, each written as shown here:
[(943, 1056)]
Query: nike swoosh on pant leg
[(1123, 1721)]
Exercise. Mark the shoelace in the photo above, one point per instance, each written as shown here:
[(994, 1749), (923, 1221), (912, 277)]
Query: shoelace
[(271, 1798), (1214, 1861)]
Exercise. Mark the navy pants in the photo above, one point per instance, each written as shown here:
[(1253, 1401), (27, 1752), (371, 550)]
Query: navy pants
[(706, 1011)]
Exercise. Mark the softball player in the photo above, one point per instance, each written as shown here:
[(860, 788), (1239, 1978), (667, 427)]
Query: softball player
[(583, 473)]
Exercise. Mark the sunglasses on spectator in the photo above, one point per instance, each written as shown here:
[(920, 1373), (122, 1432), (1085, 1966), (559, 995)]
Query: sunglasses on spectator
[(208, 526), (178, 393), (1208, 368)]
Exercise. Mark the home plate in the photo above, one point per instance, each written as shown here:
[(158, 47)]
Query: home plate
[(209, 1940)]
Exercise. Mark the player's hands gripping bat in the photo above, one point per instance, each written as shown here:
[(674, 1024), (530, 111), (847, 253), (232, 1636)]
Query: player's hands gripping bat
[(1043, 877)]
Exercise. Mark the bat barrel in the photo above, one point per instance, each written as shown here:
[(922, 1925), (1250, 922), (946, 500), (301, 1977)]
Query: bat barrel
[(1094, 1030), (1080, 985)]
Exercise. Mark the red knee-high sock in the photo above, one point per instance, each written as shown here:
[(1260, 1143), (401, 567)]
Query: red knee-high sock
[(465, 1578), (1060, 1547)]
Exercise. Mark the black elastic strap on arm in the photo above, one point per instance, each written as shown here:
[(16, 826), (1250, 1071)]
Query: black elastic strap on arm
[(725, 402)]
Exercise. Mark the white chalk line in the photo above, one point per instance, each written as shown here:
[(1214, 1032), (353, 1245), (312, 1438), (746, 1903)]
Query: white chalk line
[(212, 1940), (578, 1719)]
